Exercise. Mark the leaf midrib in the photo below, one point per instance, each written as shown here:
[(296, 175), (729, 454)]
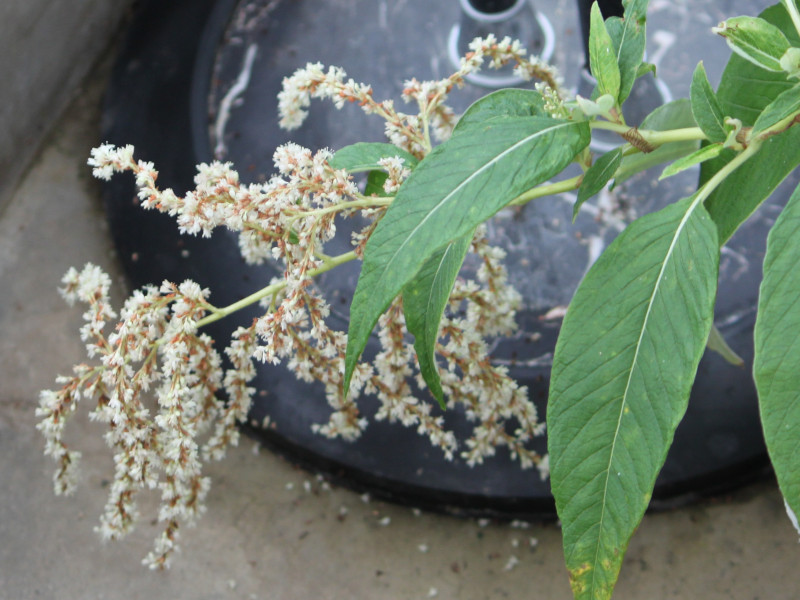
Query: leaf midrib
[(656, 288), (469, 179), (439, 270)]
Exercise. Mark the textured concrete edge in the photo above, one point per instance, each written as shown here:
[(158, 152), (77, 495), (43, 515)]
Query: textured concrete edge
[(47, 49)]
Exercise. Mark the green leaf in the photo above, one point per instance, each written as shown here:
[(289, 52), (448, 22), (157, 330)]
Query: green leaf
[(424, 301), (364, 156), (511, 102), (460, 184), (673, 115), (375, 181), (744, 91), (756, 40), (645, 68), (783, 108), (695, 158), (790, 62), (623, 368), (706, 109), (602, 59), (716, 343), (601, 106), (628, 36), (596, 178), (777, 350)]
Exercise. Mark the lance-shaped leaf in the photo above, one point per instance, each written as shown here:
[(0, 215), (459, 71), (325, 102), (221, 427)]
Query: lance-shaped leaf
[(512, 102), (623, 368), (716, 343), (602, 58), (364, 156), (706, 109), (460, 184), (628, 37), (756, 40), (744, 92), (424, 300), (777, 350), (784, 108), (695, 158), (596, 178)]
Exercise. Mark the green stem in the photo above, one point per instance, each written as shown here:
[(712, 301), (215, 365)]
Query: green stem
[(609, 126), (221, 313), (367, 202), (547, 189), (686, 134), (791, 8), (425, 127), (689, 133), (656, 138), (720, 175)]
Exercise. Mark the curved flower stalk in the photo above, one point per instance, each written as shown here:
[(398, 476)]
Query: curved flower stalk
[(410, 132), (158, 381)]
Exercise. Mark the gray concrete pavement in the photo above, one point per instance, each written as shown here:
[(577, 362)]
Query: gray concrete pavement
[(265, 535), (47, 48)]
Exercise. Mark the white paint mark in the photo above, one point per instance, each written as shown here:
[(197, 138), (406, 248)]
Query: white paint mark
[(239, 86), (735, 317), (382, 20), (739, 258), (555, 313), (663, 41), (596, 246)]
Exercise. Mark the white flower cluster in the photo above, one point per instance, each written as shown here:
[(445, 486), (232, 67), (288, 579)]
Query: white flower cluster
[(396, 173), (394, 373), (492, 398), (158, 382), (154, 346), (410, 132), (405, 131), (505, 51)]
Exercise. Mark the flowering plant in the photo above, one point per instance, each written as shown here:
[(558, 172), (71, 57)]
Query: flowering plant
[(630, 342)]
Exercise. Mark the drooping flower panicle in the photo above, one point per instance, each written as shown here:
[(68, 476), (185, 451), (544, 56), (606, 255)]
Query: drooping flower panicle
[(158, 381)]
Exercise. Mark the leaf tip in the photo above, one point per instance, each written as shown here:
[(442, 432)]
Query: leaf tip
[(577, 579), (440, 399)]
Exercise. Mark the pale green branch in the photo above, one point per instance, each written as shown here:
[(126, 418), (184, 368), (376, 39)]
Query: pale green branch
[(274, 288), (548, 189), (651, 136)]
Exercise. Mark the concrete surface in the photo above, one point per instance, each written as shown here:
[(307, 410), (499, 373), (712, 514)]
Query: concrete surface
[(265, 535), (46, 49)]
